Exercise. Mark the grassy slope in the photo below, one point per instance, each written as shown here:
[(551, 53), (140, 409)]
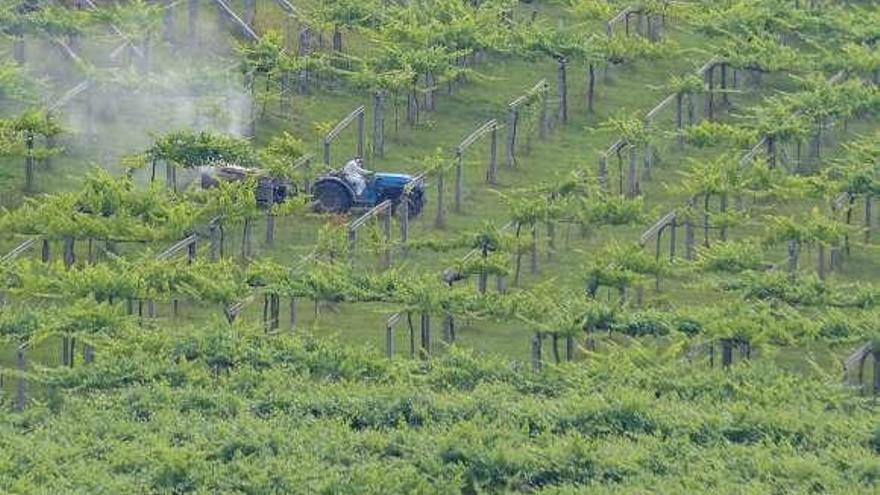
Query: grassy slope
[(569, 147)]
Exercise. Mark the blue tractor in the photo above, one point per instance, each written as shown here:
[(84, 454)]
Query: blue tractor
[(335, 195)]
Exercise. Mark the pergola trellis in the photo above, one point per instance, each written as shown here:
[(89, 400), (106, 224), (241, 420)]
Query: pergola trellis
[(769, 142), (68, 249), (425, 321), (271, 304), (617, 148), (83, 86), (189, 244), (246, 29), (358, 114), (514, 108), (18, 250), (67, 344), (856, 362), (656, 231), (646, 22), (386, 209), (668, 221), (425, 342), (620, 145), (845, 202), (403, 204), (491, 128)]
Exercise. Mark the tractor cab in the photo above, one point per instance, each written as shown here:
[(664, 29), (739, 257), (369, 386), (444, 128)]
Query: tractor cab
[(333, 193)]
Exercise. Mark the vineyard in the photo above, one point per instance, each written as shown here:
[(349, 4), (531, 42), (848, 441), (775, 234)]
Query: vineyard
[(645, 258)]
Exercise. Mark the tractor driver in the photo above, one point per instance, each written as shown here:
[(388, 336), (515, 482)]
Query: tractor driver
[(354, 173)]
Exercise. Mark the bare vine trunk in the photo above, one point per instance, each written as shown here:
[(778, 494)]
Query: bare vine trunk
[(429, 91), (793, 253), (247, 238), (29, 161), (536, 352), (440, 222), (591, 87), (726, 353), (69, 251), (21, 385), (563, 90), (519, 254), (710, 93), (379, 123), (679, 119)]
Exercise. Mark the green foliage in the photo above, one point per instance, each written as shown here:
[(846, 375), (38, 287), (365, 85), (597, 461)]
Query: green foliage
[(211, 409), (84, 318), (281, 155), (857, 57), (529, 209), (138, 18), (113, 209), (118, 279), (15, 84), (192, 149), (347, 13), (491, 264), (263, 57), (685, 85), (760, 51), (17, 134), (856, 170), (815, 228), (721, 175), (632, 129), (627, 421), (644, 324), (592, 9), (620, 266), (731, 256), (805, 290), (612, 210), (712, 133)]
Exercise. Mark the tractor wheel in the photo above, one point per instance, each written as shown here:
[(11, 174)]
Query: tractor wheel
[(332, 197)]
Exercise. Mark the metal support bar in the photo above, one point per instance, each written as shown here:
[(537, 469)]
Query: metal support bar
[(245, 28), (491, 126), (359, 114), (390, 339), (178, 246), (458, 180), (21, 248), (667, 219), (383, 207), (513, 115), (372, 212)]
